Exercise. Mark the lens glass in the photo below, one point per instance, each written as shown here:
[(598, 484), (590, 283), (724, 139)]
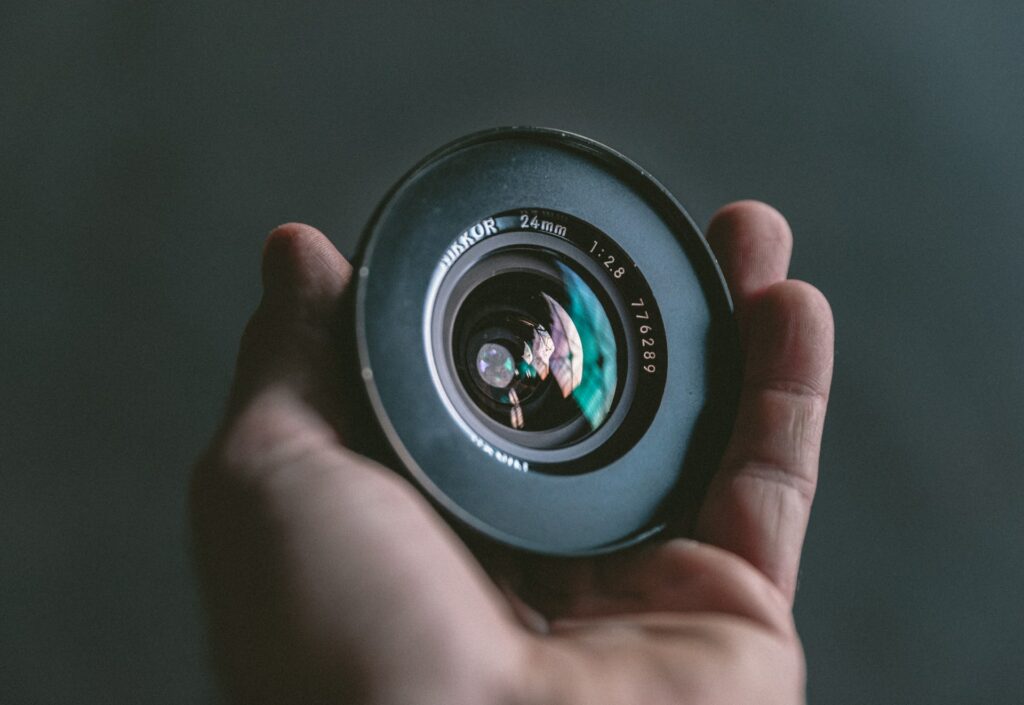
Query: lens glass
[(535, 350)]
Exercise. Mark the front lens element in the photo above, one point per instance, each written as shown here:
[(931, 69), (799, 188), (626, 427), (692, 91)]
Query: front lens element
[(535, 350)]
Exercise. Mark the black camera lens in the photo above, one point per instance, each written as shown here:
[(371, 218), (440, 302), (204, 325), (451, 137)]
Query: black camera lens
[(546, 341)]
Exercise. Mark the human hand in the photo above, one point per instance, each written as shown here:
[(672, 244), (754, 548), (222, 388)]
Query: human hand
[(328, 578)]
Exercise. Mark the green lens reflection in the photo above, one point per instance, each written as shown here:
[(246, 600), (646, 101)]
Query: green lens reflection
[(596, 389)]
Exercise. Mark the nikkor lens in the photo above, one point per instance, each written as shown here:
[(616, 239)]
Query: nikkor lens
[(546, 342)]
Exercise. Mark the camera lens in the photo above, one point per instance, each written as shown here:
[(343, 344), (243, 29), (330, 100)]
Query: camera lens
[(546, 342), (529, 337), (535, 351)]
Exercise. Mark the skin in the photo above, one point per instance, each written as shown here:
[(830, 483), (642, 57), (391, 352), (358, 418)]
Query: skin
[(328, 579)]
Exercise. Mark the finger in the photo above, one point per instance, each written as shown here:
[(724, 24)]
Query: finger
[(759, 501), (288, 341), (285, 394), (753, 244)]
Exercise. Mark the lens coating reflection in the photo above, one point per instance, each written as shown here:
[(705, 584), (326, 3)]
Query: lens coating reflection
[(535, 350), (495, 366)]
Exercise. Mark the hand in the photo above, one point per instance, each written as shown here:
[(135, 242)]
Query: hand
[(328, 579)]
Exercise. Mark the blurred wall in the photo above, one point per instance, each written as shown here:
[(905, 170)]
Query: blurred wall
[(146, 149)]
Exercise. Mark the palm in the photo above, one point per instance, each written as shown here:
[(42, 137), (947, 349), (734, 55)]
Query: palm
[(328, 576)]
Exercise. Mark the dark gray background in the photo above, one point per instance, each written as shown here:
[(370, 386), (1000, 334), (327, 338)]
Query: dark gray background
[(145, 151)]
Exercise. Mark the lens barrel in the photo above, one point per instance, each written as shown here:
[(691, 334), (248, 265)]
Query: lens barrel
[(546, 341)]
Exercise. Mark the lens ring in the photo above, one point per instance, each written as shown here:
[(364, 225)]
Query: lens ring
[(571, 448)]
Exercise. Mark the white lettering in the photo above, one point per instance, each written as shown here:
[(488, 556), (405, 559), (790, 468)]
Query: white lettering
[(467, 239), (498, 455)]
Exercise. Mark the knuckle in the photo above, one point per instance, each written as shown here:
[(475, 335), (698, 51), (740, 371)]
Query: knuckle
[(780, 427), (801, 484), (796, 390)]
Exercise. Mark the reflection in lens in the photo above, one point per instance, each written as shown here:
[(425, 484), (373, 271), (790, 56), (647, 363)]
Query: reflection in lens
[(494, 363), (566, 358), (595, 389), (537, 352)]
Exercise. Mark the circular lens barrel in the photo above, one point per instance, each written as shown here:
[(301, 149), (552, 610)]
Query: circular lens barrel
[(545, 341)]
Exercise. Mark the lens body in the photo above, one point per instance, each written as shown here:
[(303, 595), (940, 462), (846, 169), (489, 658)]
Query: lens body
[(546, 341)]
